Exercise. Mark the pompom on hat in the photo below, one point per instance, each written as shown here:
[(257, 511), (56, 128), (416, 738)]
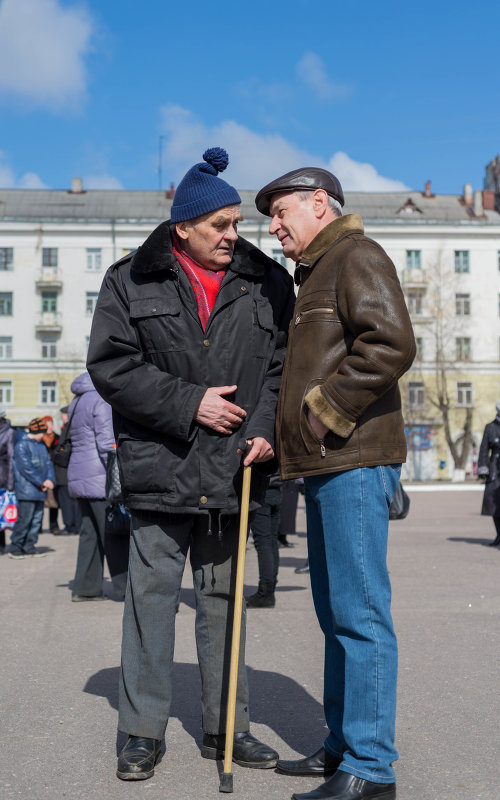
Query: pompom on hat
[(201, 190)]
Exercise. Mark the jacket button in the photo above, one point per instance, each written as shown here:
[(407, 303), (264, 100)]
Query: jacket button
[(243, 288), (206, 342), (153, 310), (203, 499)]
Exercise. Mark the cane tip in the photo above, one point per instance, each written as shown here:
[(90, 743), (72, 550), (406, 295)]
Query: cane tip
[(226, 782)]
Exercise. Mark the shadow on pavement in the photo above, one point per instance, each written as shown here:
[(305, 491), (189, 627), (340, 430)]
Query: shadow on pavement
[(468, 540), (187, 595), (275, 700)]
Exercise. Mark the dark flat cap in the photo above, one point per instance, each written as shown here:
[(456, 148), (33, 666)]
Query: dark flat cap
[(304, 179)]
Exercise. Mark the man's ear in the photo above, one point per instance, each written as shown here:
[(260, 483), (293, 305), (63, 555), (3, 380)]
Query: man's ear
[(181, 230), (320, 202)]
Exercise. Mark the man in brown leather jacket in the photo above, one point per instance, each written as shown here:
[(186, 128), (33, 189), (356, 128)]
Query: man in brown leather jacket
[(340, 426)]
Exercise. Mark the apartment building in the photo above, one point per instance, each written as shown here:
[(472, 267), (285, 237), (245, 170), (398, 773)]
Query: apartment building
[(56, 245)]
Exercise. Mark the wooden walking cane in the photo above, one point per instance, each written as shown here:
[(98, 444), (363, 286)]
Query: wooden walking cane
[(226, 780)]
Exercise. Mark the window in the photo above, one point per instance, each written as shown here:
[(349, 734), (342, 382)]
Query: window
[(94, 259), (6, 258), (463, 348), (49, 257), (461, 261), (90, 302), (48, 393), (5, 347), (416, 394), (6, 304), (464, 394), (49, 302), (462, 305), (419, 342), (413, 260), (49, 347), (6, 393), (278, 256), (415, 302), (87, 342)]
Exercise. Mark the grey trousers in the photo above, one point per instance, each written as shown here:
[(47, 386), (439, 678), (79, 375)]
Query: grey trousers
[(158, 549)]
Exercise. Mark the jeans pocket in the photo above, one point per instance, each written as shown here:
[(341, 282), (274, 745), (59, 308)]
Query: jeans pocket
[(391, 474)]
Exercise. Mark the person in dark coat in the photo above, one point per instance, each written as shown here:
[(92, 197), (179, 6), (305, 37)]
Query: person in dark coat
[(6, 456), (69, 505), (187, 345), (33, 477), (92, 439), (488, 469)]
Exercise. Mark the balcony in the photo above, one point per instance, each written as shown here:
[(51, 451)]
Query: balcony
[(49, 278), (413, 277), (49, 322)]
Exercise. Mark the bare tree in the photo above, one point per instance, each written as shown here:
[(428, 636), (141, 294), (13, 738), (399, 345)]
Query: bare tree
[(446, 309)]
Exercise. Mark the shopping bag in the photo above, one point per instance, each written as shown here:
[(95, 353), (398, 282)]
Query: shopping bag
[(8, 509)]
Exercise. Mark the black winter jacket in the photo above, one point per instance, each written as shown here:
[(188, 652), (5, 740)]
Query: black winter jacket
[(152, 362)]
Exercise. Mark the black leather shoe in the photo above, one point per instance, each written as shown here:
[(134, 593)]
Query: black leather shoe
[(344, 786), (137, 760), (247, 750), (320, 763)]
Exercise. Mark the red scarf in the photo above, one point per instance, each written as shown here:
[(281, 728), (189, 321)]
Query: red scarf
[(204, 282)]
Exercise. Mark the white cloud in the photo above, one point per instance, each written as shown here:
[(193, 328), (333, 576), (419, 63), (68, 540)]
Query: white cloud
[(357, 176), (311, 70), (101, 182), (9, 180), (42, 50), (254, 158)]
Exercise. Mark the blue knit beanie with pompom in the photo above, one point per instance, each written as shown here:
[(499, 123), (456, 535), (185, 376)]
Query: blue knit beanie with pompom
[(201, 191)]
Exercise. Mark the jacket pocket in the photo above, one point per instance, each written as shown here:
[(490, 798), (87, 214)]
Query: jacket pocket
[(144, 466), (313, 444), (160, 323)]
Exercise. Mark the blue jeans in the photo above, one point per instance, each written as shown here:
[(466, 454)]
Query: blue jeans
[(347, 526), (25, 532)]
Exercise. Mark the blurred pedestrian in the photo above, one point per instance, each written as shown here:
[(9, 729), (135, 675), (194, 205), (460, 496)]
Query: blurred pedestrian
[(92, 439), (6, 456), (488, 470), (264, 527), (33, 476), (70, 509), (50, 441)]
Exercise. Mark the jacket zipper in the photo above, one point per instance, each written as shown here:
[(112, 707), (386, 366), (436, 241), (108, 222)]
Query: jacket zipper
[(322, 447), (310, 311)]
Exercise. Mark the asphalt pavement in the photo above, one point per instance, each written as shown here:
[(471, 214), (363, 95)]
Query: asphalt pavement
[(60, 661)]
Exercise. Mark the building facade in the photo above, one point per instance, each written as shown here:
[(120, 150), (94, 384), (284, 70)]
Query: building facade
[(55, 247)]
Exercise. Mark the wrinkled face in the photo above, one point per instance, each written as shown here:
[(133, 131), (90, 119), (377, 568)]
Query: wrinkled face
[(294, 222), (210, 239)]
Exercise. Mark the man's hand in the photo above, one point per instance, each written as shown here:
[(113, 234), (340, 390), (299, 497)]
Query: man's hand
[(318, 428), (260, 450), (217, 413), (47, 485)]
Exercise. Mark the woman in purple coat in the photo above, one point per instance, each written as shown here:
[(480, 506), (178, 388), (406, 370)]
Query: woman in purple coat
[(92, 439)]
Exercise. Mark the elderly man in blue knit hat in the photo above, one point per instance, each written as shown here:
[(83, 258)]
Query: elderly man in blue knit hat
[(187, 346)]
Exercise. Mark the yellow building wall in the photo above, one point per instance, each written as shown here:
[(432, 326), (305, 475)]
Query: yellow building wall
[(26, 394)]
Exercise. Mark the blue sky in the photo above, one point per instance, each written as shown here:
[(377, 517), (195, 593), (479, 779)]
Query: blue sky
[(387, 95)]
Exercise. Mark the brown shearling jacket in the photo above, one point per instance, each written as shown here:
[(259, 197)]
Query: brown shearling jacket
[(350, 340)]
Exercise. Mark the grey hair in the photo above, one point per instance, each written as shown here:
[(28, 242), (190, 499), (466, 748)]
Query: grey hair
[(332, 203)]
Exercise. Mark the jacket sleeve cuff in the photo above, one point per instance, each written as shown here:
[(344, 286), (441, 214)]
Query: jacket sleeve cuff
[(327, 415)]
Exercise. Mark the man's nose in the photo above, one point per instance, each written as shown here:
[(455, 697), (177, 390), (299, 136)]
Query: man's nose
[(273, 226), (231, 235)]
